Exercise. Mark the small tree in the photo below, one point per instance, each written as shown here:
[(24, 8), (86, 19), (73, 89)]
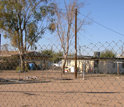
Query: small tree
[(107, 54), (55, 55), (22, 21), (48, 52)]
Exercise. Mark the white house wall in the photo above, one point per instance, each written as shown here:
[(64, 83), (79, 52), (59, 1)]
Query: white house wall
[(89, 65)]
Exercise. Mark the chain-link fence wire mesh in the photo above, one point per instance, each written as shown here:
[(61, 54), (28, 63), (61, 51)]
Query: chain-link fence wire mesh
[(99, 82)]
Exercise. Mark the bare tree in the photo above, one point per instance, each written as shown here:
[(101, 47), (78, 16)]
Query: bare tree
[(65, 25)]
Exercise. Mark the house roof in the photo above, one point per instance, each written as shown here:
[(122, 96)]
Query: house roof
[(8, 53), (29, 53), (36, 54), (78, 57), (81, 57)]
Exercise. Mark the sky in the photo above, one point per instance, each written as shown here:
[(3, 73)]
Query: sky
[(105, 14), (108, 13)]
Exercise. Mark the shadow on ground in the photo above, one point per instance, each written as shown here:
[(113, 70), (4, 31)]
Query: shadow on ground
[(15, 81)]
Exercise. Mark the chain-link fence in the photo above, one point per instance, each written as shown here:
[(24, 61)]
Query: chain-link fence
[(99, 82)]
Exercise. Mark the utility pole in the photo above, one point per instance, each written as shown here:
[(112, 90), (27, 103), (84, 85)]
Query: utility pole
[(75, 43), (122, 50)]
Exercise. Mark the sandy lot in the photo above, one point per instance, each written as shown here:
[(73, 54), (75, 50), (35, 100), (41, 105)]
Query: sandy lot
[(50, 90)]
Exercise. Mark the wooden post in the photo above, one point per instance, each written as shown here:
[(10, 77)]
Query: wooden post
[(75, 43)]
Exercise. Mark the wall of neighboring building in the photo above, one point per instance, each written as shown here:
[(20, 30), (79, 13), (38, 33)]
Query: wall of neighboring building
[(107, 67), (110, 67)]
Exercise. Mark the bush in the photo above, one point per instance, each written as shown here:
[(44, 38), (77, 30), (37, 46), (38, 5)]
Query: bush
[(19, 69)]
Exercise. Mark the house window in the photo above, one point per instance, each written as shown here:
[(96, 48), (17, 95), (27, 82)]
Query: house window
[(122, 64)]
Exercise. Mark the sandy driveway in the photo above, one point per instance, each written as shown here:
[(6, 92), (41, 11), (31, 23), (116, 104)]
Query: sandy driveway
[(54, 92)]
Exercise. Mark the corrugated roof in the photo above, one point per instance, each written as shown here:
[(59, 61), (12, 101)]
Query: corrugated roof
[(27, 53), (36, 54), (8, 53), (11, 53)]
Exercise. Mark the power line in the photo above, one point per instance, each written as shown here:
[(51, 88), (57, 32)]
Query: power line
[(98, 23), (102, 25)]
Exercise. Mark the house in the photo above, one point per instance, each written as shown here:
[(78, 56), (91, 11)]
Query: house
[(81, 63), (11, 59), (39, 60), (96, 64)]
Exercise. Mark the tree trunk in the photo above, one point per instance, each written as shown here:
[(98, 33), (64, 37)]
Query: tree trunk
[(22, 65), (63, 68)]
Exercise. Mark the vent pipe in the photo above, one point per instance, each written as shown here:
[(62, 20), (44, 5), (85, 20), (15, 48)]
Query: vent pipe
[(97, 54)]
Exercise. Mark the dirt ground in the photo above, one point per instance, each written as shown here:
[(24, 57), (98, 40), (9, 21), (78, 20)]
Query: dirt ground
[(52, 89)]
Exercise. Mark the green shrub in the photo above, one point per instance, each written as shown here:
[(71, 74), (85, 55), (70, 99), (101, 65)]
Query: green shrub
[(19, 69)]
